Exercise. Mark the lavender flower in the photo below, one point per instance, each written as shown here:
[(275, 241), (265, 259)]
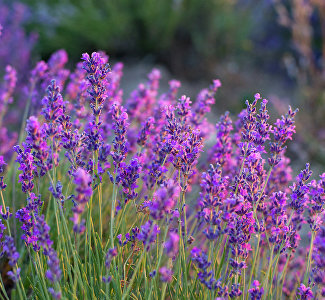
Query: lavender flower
[(201, 260), (7, 89), (57, 191), (103, 153), (164, 200), (255, 127), (316, 203), (145, 131), (221, 151), (279, 229), (305, 292), (203, 104), (107, 279), (256, 292), (169, 97), (2, 229), (39, 72), (120, 145), (111, 253), (56, 69), (187, 154), (6, 214), (152, 274), (93, 137), (318, 256), (129, 237), (41, 231), (56, 295), (262, 127), (97, 71), (36, 140), (127, 175), (26, 161), (16, 45), (300, 190), (141, 101), (26, 216), (214, 188), (184, 108), (84, 191), (9, 248), (53, 106), (282, 131), (148, 234), (77, 88), (2, 165), (166, 275), (172, 244), (14, 275), (235, 291), (6, 92), (53, 112)]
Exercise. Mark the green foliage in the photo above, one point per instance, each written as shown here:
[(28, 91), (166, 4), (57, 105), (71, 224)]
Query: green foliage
[(138, 27)]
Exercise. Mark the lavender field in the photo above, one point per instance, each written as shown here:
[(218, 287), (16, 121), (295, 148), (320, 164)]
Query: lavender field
[(151, 194)]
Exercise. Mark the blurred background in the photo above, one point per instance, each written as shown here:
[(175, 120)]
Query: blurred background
[(275, 47)]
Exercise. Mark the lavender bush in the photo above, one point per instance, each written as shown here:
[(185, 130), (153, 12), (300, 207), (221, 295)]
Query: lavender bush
[(107, 198)]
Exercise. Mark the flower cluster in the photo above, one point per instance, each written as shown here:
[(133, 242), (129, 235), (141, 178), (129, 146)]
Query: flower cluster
[(26, 216), (120, 125), (216, 222), (97, 70), (148, 234)]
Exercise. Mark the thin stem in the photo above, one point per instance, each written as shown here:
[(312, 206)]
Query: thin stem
[(311, 247), (266, 279), (100, 200), (159, 260), (282, 277), (127, 292), (114, 194), (254, 263), (3, 289)]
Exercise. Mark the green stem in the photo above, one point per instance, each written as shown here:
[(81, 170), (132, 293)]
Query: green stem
[(254, 263), (225, 250), (3, 289), (313, 235), (100, 210), (159, 261), (127, 292), (266, 279), (282, 277), (113, 210)]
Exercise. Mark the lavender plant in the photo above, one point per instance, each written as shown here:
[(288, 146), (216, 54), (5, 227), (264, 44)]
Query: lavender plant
[(113, 198)]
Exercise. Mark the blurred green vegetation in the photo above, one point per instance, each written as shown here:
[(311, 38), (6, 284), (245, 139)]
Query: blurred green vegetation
[(181, 33)]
